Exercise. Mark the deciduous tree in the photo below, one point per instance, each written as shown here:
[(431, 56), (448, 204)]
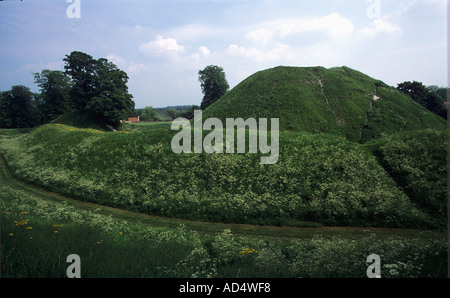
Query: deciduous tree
[(100, 87), (213, 83), (17, 109), (424, 96), (55, 88)]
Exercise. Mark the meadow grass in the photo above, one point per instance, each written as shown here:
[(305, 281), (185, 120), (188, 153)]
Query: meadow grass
[(36, 243), (319, 178), (39, 229)]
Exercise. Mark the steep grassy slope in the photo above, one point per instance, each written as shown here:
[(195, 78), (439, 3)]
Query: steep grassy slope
[(318, 178), (338, 101), (417, 161), (80, 119)]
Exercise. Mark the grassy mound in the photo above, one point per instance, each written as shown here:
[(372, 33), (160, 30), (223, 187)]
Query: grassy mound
[(319, 178), (338, 101), (80, 119), (417, 161)]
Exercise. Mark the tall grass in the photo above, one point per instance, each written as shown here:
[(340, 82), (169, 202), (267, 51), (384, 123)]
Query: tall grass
[(417, 161), (318, 178), (37, 235)]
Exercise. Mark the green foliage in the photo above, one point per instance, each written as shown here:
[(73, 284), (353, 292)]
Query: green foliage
[(39, 230), (80, 119), (110, 108), (213, 83), (338, 101), (38, 234), (81, 68), (431, 98), (149, 114), (168, 113), (417, 161), (19, 108), (99, 87), (55, 87), (318, 178)]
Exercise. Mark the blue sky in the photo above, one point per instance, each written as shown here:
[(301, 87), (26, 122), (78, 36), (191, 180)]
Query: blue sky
[(162, 44)]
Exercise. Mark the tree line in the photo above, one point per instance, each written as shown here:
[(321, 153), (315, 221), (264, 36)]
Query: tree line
[(214, 85), (100, 87), (432, 97), (86, 84), (96, 86)]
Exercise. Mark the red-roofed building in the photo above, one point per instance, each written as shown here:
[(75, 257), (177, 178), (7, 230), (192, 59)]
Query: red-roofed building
[(131, 120)]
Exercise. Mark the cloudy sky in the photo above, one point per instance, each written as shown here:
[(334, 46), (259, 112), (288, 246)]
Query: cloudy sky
[(162, 44)]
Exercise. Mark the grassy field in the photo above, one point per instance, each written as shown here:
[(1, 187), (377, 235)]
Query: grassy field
[(39, 229)]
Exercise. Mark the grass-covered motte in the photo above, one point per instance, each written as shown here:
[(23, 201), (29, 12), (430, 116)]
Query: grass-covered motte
[(319, 178), (339, 101)]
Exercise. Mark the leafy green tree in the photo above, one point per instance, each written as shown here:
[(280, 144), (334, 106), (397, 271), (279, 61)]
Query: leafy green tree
[(189, 114), (100, 87), (172, 113), (213, 83), (424, 96), (149, 114), (81, 67), (17, 109), (442, 92), (110, 107), (55, 88)]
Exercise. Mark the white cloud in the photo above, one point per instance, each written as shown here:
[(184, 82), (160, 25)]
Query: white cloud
[(275, 32), (280, 51), (379, 26), (333, 24), (204, 51), (121, 63), (260, 36), (196, 31), (168, 47)]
